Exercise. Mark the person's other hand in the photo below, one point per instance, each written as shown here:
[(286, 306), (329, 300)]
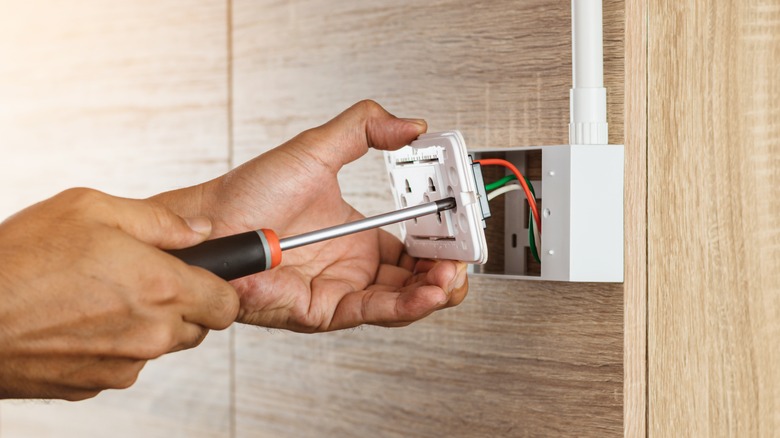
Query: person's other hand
[(87, 298), (364, 278)]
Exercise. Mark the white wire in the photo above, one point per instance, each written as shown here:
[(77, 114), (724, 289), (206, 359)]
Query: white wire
[(537, 237), (511, 188), (501, 190)]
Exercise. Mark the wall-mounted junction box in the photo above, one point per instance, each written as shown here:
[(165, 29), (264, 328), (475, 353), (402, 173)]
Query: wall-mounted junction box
[(579, 190)]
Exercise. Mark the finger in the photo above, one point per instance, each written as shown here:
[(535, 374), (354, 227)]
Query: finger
[(208, 300), (391, 275), (189, 336), (390, 248), (201, 297), (112, 373), (148, 221), (407, 262), (378, 307), (424, 265), (437, 272), (99, 373), (458, 294), (450, 276), (348, 136), (156, 225)]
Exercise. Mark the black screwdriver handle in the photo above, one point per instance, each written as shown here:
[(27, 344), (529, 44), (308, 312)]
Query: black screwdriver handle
[(235, 256)]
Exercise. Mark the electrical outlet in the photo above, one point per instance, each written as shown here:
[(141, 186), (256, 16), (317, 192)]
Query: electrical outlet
[(434, 167)]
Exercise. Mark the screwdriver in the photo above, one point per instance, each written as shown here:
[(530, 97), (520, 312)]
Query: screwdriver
[(239, 255)]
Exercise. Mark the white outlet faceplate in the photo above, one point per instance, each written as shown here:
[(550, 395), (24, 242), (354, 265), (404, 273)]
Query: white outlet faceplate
[(434, 167)]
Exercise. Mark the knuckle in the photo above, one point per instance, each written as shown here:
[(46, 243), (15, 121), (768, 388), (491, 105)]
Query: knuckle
[(306, 321), (161, 217), (126, 380), (369, 107), (82, 195), (166, 287), (85, 202), (200, 336), (75, 396), (159, 342), (227, 305)]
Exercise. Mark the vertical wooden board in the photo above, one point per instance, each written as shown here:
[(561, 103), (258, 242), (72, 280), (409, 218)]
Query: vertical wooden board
[(714, 218), (635, 249), (516, 358), (130, 98)]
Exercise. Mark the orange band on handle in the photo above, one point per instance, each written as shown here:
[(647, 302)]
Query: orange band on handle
[(274, 248)]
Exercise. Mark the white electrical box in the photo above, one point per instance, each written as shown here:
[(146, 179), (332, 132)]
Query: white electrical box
[(579, 195), (579, 190)]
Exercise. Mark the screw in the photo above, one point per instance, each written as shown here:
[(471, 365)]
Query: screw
[(551, 252), (551, 173)]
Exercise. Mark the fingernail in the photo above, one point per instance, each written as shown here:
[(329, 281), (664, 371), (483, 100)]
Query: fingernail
[(199, 224), (418, 122), (460, 278)]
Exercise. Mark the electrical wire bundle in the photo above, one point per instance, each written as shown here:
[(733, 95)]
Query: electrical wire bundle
[(505, 185)]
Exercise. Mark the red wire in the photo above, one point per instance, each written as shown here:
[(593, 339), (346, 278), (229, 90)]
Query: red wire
[(521, 179)]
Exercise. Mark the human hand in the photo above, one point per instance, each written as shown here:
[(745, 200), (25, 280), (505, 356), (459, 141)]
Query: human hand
[(86, 298), (364, 278)]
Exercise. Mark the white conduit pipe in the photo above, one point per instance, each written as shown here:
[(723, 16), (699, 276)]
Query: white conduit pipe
[(588, 96)]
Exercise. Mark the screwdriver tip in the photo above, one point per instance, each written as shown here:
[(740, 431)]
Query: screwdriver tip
[(446, 204)]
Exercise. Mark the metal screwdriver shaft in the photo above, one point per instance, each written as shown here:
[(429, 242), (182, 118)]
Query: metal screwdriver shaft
[(367, 223), (239, 255)]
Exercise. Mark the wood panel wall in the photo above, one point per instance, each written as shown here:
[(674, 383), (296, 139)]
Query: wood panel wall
[(714, 218), (515, 358), (129, 97), (138, 97)]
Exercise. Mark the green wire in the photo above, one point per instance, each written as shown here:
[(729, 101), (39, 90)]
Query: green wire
[(500, 183), (531, 238)]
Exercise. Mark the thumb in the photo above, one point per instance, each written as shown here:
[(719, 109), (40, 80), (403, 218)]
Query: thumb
[(348, 136), (157, 225)]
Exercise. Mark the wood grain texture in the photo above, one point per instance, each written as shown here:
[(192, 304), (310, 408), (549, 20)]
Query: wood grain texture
[(635, 249), (130, 98), (714, 218), (127, 97), (513, 360), (516, 358)]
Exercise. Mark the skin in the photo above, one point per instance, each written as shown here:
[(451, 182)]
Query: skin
[(364, 278), (87, 297)]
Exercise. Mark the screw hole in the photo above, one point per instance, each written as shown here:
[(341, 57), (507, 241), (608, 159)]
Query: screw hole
[(438, 216), (408, 187), (451, 194), (431, 186)]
